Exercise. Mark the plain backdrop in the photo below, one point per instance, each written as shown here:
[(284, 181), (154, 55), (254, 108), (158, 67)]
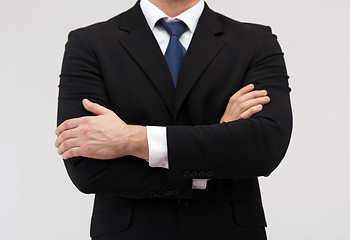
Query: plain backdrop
[(307, 197)]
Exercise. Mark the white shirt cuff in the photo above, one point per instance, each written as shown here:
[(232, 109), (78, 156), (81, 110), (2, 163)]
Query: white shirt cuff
[(158, 152), (157, 147), (199, 183)]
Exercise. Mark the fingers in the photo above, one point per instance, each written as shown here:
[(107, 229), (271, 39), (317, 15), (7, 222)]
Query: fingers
[(67, 145), (247, 109), (244, 94), (73, 123), (242, 91), (255, 102), (68, 141), (65, 135), (73, 152), (252, 95), (68, 124), (95, 108), (244, 106), (251, 111), (245, 103)]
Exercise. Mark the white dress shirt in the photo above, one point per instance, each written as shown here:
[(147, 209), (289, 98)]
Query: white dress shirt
[(156, 136)]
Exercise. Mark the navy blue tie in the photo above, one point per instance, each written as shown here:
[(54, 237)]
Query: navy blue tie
[(175, 52)]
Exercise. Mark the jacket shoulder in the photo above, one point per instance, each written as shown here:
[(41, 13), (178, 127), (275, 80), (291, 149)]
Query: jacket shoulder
[(99, 27), (242, 28)]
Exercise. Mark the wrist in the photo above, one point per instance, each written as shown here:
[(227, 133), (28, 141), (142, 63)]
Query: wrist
[(137, 143)]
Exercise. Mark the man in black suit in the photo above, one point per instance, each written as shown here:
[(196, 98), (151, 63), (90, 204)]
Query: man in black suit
[(172, 144)]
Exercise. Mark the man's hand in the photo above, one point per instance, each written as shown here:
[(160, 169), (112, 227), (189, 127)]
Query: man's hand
[(245, 103), (104, 136)]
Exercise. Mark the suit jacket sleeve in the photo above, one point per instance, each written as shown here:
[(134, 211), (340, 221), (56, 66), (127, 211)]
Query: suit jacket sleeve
[(81, 77), (244, 148)]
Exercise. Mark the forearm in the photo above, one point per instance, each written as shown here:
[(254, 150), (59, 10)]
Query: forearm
[(128, 177), (137, 142), (238, 149)]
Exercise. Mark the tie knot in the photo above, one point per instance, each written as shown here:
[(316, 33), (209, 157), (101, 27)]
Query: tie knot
[(173, 28)]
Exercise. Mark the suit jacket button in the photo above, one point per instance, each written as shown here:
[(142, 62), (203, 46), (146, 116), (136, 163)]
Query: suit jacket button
[(209, 174), (186, 174), (194, 174), (183, 202), (201, 174)]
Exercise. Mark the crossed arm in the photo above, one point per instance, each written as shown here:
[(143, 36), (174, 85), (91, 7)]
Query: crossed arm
[(106, 136)]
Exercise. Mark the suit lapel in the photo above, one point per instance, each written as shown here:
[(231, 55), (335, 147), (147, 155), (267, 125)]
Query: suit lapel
[(144, 49), (205, 45)]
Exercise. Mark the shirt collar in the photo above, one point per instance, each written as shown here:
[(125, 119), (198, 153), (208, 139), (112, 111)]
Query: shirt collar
[(191, 16)]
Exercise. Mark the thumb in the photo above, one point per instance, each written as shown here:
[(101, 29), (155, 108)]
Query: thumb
[(94, 107)]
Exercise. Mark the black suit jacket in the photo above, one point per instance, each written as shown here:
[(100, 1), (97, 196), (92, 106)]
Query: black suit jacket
[(119, 65)]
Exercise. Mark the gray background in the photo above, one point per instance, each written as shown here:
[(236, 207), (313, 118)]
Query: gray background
[(307, 197)]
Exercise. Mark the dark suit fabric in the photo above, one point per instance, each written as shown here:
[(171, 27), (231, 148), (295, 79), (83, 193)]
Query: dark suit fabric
[(119, 65)]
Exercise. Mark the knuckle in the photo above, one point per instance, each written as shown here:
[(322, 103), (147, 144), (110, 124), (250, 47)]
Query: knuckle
[(65, 145), (232, 99), (70, 154), (84, 130), (258, 101), (256, 94), (62, 136), (65, 124), (60, 151), (240, 106), (85, 120)]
